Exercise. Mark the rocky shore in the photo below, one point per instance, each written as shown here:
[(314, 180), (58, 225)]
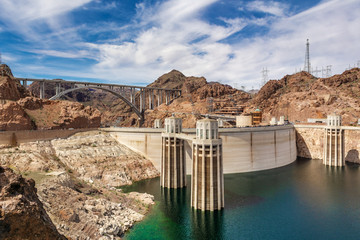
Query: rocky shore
[(77, 182)]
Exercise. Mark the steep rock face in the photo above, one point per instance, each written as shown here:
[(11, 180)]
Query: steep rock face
[(11, 89), (14, 117), (5, 70), (22, 215)]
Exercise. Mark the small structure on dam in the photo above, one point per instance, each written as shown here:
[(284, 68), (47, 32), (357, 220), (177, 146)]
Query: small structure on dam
[(207, 179), (333, 144), (173, 166)]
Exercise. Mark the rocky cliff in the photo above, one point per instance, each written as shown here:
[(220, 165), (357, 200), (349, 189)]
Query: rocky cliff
[(78, 179), (22, 215)]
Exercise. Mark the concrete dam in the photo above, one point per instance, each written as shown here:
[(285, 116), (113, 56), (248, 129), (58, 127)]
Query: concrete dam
[(244, 149)]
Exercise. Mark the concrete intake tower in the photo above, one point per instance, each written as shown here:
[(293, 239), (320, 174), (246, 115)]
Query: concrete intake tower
[(173, 166), (334, 149), (207, 179)]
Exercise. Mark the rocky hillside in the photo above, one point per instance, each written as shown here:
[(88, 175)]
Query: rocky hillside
[(22, 215), (195, 92), (301, 96), (20, 111), (78, 179)]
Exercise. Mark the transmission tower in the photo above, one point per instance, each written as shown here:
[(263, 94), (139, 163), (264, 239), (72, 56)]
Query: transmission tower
[(265, 76), (358, 64), (315, 72), (0, 58), (326, 72), (307, 65)]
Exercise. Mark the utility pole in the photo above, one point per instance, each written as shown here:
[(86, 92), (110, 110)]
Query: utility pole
[(307, 65), (265, 76)]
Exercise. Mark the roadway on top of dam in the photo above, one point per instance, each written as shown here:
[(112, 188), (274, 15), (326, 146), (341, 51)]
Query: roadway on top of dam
[(62, 81)]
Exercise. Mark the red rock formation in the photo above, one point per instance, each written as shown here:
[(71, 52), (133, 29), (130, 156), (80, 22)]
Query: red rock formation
[(13, 117), (22, 215), (11, 89)]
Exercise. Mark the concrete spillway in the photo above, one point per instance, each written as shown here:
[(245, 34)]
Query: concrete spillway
[(244, 149)]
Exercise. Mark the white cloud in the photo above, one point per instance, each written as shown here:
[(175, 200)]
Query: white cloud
[(272, 7), (55, 53), (174, 35), (30, 10), (31, 18), (182, 40)]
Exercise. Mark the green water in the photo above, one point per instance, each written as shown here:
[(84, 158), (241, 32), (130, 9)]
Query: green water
[(305, 200)]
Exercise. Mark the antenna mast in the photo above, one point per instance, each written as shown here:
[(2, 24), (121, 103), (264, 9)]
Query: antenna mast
[(307, 66)]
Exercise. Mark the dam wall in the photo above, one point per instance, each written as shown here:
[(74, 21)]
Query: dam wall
[(244, 149), (15, 137), (310, 142)]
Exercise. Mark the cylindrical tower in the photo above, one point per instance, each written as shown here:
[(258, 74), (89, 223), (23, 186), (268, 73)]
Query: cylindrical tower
[(333, 144), (173, 165), (207, 180)]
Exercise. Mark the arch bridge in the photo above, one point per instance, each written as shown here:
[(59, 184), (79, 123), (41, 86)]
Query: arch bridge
[(137, 97)]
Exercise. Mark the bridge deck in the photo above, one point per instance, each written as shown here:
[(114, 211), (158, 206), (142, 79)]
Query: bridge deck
[(93, 84)]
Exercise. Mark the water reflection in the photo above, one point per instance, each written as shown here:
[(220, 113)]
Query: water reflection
[(174, 201), (207, 224)]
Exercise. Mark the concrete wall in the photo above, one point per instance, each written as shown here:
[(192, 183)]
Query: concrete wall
[(244, 149), (7, 137), (310, 142)]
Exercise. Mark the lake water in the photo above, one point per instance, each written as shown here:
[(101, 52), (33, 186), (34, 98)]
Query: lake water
[(305, 200)]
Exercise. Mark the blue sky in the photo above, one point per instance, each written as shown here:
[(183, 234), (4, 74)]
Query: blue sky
[(134, 42)]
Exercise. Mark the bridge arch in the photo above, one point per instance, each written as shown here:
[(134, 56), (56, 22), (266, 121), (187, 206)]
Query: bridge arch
[(133, 107)]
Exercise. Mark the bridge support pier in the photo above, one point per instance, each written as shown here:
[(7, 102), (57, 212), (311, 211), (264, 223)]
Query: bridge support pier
[(151, 99), (158, 97), (207, 179), (58, 88), (141, 100), (24, 83), (42, 90), (173, 165)]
